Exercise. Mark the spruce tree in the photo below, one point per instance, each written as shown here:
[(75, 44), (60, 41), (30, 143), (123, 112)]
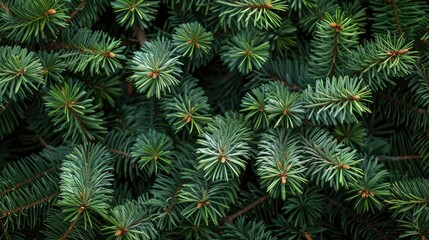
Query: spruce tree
[(214, 119)]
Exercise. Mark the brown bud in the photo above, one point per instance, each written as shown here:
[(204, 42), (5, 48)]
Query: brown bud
[(268, 5), (285, 111), (80, 210), (155, 156), (50, 12), (110, 55), (284, 179), (403, 51), (4, 214), (355, 98), (187, 119), (307, 236), (344, 166), (333, 25), (288, 167), (280, 165), (223, 159), (20, 72), (200, 204), (155, 75), (118, 233), (149, 74)]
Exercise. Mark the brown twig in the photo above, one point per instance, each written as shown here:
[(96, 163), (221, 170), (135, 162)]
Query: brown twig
[(128, 155), (412, 157), (140, 35), (3, 107), (173, 201), (353, 214), (12, 188), (334, 56), (395, 12), (230, 219), (77, 9), (70, 228), (5, 234), (40, 201), (2, 5)]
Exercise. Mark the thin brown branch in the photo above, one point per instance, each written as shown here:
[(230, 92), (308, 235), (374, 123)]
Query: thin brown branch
[(70, 228), (293, 87), (85, 132), (128, 155), (334, 56), (353, 214), (5, 233), (399, 158), (407, 157), (140, 34), (173, 201), (230, 219), (395, 12), (3, 107), (12, 188), (77, 9), (266, 5), (398, 103), (40, 201), (3, 6)]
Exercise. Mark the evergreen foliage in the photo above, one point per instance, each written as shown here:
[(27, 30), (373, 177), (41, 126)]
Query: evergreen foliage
[(214, 119)]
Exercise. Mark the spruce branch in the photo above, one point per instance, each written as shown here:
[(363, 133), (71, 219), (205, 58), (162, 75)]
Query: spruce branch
[(71, 226), (132, 13), (395, 12), (29, 205), (349, 212), (230, 219), (28, 180), (77, 9), (71, 110)]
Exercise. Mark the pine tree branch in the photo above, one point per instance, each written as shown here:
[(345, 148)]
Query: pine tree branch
[(385, 96), (412, 157), (266, 5), (3, 107), (371, 64), (70, 228), (125, 154), (353, 214), (77, 9), (85, 132), (334, 55), (141, 39), (173, 201), (3, 6), (14, 187), (395, 12), (5, 233), (40, 201), (293, 87), (140, 34), (39, 138), (230, 219)]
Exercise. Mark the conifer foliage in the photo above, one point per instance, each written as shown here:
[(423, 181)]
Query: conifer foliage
[(214, 119)]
